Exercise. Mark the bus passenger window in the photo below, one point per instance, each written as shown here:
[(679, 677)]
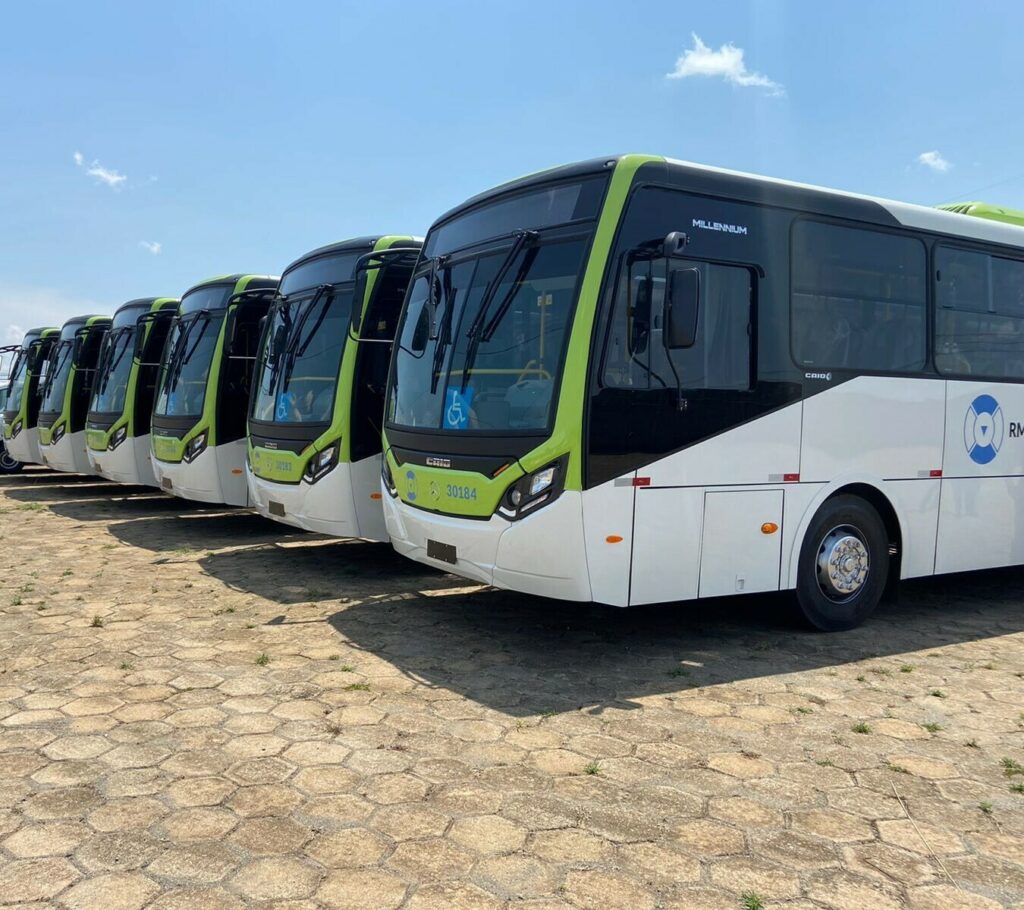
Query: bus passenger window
[(979, 314), (858, 299)]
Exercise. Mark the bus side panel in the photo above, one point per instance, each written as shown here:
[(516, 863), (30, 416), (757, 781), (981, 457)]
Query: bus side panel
[(607, 515), (880, 426), (917, 505), (666, 544), (761, 451), (981, 521)]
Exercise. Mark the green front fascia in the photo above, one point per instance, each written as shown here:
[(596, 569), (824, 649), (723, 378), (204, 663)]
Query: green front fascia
[(287, 467), (98, 440), (473, 495), (171, 448), (46, 433), (31, 377)]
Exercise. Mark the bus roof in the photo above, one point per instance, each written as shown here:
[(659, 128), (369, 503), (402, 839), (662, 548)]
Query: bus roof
[(986, 210), (774, 191), (234, 279), (355, 243)]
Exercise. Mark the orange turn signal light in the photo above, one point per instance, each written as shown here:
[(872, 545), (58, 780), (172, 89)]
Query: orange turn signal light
[(236, 470), (375, 496), (769, 527), (613, 538)]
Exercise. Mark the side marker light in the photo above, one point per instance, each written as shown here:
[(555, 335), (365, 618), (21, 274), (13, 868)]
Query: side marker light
[(769, 527), (613, 538)]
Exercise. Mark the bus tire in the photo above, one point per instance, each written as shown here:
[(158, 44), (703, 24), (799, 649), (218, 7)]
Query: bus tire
[(7, 464), (844, 565)]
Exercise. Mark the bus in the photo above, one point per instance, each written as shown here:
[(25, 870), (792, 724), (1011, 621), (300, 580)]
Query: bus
[(198, 427), (641, 380), (318, 392), (67, 391), (117, 426), (21, 406), (8, 359)]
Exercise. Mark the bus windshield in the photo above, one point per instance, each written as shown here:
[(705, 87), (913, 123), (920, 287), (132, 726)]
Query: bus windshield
[(191, 346), (61, 359), (484, 347), (298, 367), (19, 375), (485, 329), (300, 359), (114, 372)]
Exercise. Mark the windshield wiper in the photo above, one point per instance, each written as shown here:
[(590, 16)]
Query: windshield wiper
[(106, 369), (55, 368), (444, 335), (478, 331), (181, 358)]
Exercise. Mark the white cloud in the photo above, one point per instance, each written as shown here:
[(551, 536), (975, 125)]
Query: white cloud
[(105, 175), (101, 174), (935, 161), (152, 246), (725, 63), (15, 334)]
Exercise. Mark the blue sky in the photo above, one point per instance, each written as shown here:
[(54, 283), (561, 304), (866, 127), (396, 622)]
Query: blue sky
[(249, 133)]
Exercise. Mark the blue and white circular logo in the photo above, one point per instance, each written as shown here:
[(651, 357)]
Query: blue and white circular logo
[(983, 429)]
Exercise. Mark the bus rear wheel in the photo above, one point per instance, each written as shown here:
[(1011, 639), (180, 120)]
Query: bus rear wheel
[(8, 465), (844, 565)]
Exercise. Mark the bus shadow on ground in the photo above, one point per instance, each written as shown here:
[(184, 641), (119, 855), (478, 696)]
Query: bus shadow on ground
[(526, 655), (129, 502), (65, 486), (325, 569), (198, 526)]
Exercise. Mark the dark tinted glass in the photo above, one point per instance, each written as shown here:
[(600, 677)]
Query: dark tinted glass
[(325, 270), (532, 210), (979, 314), (858, 299)]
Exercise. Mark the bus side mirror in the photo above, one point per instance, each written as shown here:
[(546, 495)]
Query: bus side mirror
[(230, 328), (76, 350), (682, 308), (674, 245)]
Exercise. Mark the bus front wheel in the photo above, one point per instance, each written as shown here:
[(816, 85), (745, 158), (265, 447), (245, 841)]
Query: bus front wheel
[(844, 565), (8, 465)]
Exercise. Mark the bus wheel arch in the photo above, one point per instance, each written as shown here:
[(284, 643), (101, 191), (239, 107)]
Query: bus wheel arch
[(847, 556)]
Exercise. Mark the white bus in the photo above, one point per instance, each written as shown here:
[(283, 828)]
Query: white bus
[(638, 380)]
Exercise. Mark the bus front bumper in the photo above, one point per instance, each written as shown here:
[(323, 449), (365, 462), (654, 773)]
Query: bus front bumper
[(325, 507), (25, 447), (129, 463), (543, 554), (198, 479), (68, 454)]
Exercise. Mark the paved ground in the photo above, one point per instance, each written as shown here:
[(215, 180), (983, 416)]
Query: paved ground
[(202, 711)]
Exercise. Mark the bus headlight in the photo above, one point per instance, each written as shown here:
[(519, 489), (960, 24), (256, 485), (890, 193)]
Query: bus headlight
[(119, 436), (388, 477), (16, 428), (196, 446), (58, 434), (534, 490), (322, 462)]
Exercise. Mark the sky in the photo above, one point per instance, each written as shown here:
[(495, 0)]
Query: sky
[(144, 148)]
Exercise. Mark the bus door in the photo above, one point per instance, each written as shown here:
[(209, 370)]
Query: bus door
[(697, 531)]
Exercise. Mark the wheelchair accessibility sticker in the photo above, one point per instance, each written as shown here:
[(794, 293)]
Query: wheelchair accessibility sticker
[(456, 408), (984, 428)]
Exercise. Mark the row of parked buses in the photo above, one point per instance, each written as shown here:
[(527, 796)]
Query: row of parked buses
[(630, 380)]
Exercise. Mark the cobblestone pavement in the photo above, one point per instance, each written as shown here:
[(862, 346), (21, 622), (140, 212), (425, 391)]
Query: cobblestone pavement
[(200, 710)]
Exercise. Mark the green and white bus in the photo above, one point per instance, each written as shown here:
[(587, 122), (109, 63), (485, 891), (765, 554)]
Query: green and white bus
[(67, 391), (118, 424), (21, 407), (198, 427), (637, 380), (318, 392)]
